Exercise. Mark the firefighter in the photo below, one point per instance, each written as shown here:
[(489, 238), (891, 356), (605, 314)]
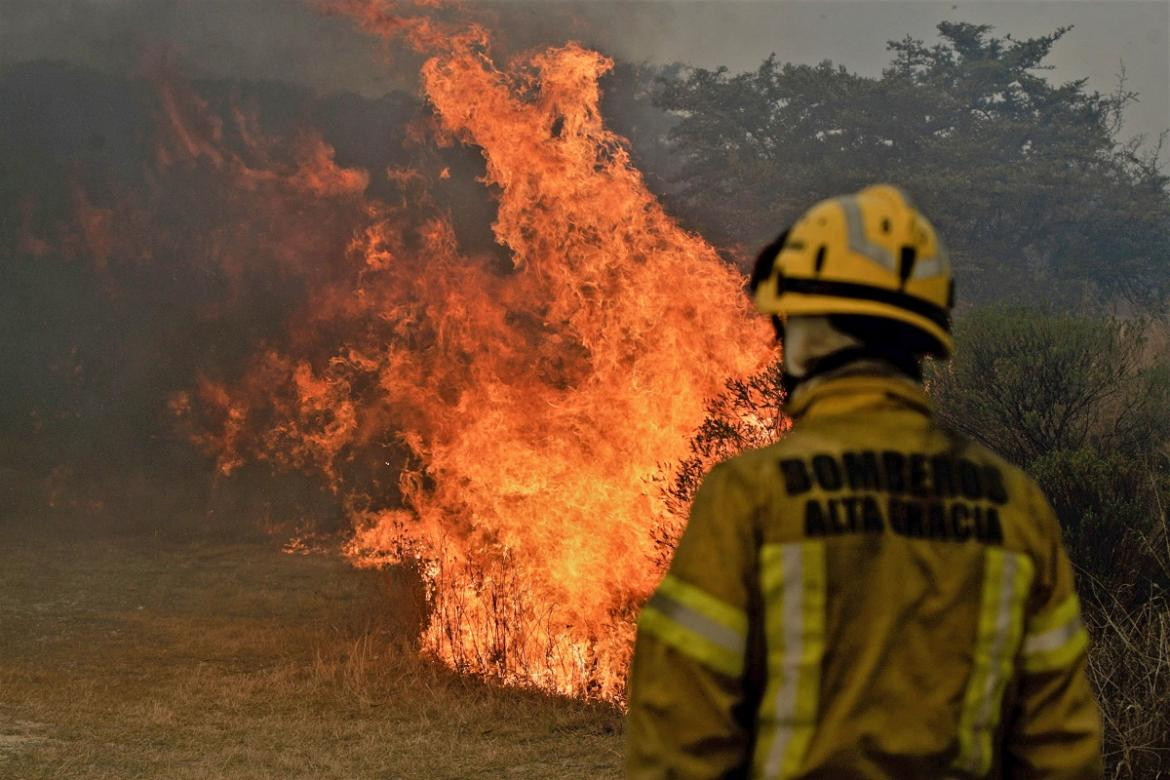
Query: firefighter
[(873, 596)]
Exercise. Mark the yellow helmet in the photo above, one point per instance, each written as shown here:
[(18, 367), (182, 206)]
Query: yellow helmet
[(871, 253)]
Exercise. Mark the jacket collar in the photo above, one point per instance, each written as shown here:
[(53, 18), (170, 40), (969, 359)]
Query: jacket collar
[(849, 391)]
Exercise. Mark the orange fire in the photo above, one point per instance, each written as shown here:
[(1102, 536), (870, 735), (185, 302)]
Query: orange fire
[(541, 404)]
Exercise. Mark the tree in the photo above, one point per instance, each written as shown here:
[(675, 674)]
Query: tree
[(1026, 180)]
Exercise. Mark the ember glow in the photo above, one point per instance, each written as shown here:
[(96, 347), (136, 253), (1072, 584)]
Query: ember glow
[(538, 405)]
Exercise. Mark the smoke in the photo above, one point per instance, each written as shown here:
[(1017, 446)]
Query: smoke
[(139, 264), (290, 41), (247, 40), (125, 278)]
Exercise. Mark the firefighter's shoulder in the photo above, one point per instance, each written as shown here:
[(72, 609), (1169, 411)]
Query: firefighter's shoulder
[(1035, 522), (1029, 524), (753, 472)]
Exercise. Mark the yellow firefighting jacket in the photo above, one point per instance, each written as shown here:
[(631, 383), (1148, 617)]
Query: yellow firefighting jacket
[(871, 597)]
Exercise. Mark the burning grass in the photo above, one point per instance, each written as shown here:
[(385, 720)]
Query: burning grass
[(134, 659)]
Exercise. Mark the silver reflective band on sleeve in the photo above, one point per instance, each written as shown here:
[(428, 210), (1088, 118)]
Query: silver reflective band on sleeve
[(713, 632), (1054, 638), (697, 624)]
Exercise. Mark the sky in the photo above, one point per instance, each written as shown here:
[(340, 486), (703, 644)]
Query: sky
[(287, 40)]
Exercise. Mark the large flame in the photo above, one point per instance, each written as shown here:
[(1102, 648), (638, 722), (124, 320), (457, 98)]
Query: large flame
[(526, 414), (550, 397)]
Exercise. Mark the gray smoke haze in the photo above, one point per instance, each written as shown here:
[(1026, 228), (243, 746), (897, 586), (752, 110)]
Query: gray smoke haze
[(287, 40), (98, 338)]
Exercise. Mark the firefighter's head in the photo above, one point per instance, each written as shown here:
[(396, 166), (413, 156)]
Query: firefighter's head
[(857, 276)]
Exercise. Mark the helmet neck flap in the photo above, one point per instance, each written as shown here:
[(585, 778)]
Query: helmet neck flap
[(818, 345)]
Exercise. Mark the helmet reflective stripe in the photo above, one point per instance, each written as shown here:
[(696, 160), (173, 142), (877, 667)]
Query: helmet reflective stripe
[(925, 266), (936, 265), (858, 242)]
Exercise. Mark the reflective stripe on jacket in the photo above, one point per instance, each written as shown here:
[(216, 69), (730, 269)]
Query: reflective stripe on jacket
[(871, 597)]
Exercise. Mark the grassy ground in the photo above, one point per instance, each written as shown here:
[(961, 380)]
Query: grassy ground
[(127, 659)]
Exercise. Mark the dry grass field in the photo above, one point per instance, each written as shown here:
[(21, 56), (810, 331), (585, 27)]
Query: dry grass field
[(134, 659)]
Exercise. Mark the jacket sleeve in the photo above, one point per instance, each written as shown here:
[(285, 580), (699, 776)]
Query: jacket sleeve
[(1056, 727), (689, 715)]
